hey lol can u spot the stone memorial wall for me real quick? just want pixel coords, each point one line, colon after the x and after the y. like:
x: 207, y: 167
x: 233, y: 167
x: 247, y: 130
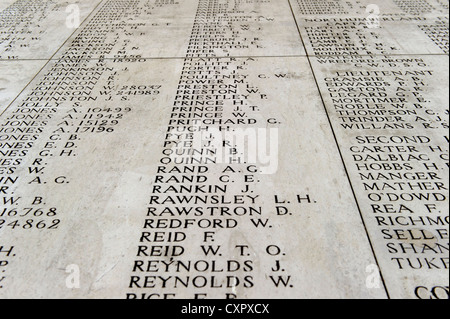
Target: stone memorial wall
x: 285, y: 149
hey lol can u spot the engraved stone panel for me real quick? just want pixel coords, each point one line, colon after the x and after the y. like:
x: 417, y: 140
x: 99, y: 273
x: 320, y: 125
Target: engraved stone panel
x: 332, y: 28
x: 36, y: 29
x: 390, y: 117
x: 160, y: 149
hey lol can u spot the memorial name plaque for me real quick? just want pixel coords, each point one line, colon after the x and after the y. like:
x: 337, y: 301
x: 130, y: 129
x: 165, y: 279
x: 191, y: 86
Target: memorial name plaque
x: 224, y: 149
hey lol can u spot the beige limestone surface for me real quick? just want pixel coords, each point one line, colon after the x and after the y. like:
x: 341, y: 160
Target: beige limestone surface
x: 224, y: 149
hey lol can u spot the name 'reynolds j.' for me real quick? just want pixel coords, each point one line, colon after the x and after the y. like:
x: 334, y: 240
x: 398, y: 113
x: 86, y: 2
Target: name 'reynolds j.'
x: 247, y: 146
